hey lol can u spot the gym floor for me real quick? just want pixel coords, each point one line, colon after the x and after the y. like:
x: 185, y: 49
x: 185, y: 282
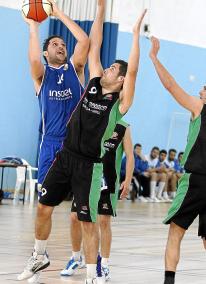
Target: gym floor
x: 137, y: 256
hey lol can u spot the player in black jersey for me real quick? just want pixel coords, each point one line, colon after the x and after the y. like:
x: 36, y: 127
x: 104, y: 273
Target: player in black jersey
x: 190, y: 200
x: 115, y: 146
x: 78, y: 167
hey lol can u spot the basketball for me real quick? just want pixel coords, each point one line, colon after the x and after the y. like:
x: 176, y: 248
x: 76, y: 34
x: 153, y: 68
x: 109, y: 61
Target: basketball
x: 37, y: 10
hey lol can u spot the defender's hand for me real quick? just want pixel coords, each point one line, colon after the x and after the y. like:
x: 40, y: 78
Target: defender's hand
x: 155, y: 47
x: 138, y: 24
x: 125, y: 189
x: 101, y: 2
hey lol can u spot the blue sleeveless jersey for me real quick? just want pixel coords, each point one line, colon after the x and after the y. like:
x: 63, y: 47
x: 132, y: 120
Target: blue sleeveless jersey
x: 59, y: 95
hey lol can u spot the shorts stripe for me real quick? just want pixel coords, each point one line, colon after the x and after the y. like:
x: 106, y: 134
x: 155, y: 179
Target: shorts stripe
x: 182, y: 190
x: 114, y: 197
x: 95, y: 190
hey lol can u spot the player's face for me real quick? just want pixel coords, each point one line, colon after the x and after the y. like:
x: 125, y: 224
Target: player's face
x: 180, y: 157
x: 155, y: 154
x: 172, y: 156
x: 111, y: 75
x: 57, y: 52
x: 138, y: 150
x: 162, y: 157
x: 203, y: 94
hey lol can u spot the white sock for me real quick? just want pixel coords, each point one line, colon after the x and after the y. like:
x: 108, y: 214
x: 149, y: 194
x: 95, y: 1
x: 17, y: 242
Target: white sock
x: 76, y: 255
x: 40, y: 246
x: 105, y: 261
x: 173, y: 194
x: 165, y: 194
x: 160, y: 189
x: 91, y: 271
x: 152, y: 189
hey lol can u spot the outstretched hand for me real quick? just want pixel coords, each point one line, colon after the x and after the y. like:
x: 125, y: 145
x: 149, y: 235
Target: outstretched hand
x: 155, y: 47
x: 138, y: 24
x: 125, y: 189
x: 101, y: 2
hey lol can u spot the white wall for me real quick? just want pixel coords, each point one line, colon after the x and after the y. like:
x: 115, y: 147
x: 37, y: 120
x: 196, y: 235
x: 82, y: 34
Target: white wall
x: 181, y: 21
x: 14, y: 4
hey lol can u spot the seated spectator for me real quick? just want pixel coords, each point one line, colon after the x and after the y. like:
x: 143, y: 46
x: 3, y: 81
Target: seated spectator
x: 179, y: 170
x: 152, y: 158
x: 171, y: 184
x: 139, y: 178
x: 140, y: 173
x: 162, y: 169
x: 156, y: 176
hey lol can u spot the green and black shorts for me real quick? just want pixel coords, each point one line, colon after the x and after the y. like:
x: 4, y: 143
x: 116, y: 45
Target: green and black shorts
x: 189, y: 203
x: 107, y: 203
x: 80, y: 175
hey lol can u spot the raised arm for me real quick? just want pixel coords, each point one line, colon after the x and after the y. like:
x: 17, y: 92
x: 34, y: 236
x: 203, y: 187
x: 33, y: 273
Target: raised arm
x: 82, y: 47
x: 128, y: 149
x: 37, y: 67
x: 96, y: 37
x: 127, y: 94
x: 194, y: 105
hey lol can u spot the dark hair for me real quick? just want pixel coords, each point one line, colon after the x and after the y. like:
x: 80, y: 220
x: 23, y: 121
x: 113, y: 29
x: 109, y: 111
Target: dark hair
x: 172, y: 150
x: 155, y: 148
x: 47, y: 41
x: 163, y: 152
x: 123, y: 67
x: 137, y: 145
x: 180, y: 153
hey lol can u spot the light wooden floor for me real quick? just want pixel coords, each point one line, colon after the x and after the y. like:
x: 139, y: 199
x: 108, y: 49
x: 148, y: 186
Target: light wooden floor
x: 137, y: 252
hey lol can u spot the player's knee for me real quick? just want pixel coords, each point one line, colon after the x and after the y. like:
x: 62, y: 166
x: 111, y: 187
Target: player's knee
x: 176, y: 233
x: 73, y: 218
x: 44, y: 211
x: 104, y: 222
x: 204, y: 242
x: 89, y: 227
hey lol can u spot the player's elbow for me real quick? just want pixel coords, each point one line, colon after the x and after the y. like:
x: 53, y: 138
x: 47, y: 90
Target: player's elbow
x: 85, y: 42
x: 169, y: 85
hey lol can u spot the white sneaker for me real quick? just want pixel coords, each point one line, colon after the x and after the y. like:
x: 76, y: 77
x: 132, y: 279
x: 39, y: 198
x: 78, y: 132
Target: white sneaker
x: 72, y: 266
x: 142, y: 199
x: 149, y: 199
x: 106, y: 272
x: 161, y: 199
x: 155, y: 200
x: 35, y: 279
x: 35, y: 263
x: 167, y: 199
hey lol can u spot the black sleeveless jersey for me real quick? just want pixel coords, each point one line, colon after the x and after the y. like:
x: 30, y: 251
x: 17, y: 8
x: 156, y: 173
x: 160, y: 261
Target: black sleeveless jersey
x: 93, y: 122
x: 194, y: 158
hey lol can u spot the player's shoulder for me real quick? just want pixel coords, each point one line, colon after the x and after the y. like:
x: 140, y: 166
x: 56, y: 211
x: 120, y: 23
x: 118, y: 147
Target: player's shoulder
x: 94, y: 85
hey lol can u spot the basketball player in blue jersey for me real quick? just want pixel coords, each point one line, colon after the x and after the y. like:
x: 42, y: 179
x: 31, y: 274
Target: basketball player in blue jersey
x: 58, y: 85
x: 190, y: 200
x: 78, y: 166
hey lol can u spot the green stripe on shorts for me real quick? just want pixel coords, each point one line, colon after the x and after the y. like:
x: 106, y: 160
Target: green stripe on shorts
x: 95, y: 190
x: 182, y: 190
x: 114, y: 196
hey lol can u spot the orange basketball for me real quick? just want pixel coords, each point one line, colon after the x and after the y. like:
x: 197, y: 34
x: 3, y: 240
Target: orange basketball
x: 37, y: 10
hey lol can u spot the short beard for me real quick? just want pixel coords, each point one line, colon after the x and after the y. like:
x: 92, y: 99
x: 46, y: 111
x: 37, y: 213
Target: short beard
x: 56, y: 61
